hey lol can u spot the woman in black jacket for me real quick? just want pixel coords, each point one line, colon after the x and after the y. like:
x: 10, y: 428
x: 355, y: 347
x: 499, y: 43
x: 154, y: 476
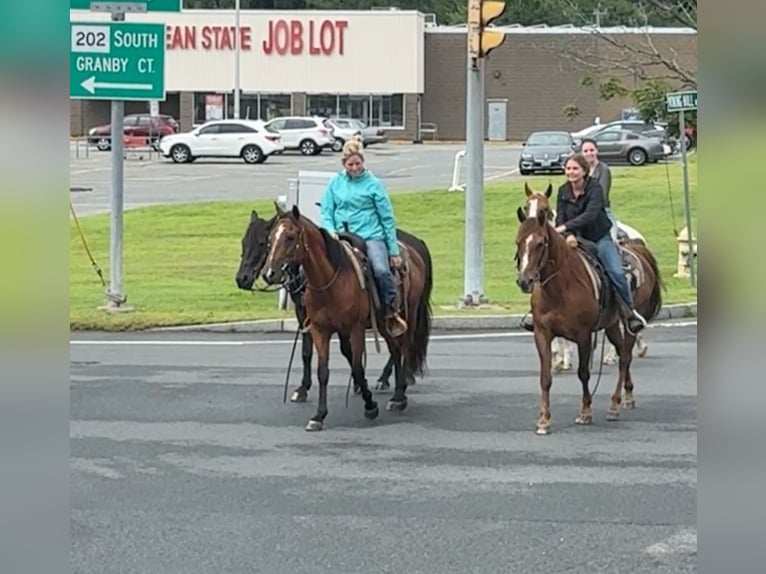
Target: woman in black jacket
x: 580, y: 212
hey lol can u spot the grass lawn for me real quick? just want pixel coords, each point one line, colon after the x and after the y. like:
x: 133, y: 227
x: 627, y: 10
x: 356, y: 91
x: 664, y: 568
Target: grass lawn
x: 180, y: 261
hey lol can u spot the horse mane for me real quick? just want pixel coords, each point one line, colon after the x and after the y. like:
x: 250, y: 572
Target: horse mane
x: 335, y: 252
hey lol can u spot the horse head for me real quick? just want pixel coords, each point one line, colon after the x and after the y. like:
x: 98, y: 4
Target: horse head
x: 533, y: 238
x: 254, y: 250
x: 536, y: 202
x: 286, y: 245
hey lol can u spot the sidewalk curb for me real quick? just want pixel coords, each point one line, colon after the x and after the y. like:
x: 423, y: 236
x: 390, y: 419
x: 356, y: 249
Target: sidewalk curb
x: 443, y: 323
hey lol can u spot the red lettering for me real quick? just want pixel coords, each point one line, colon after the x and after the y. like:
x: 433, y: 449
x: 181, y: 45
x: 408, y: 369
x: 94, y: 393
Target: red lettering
x: 313, y: 48
x: 227, y: 41
x: 244, y: 35
x: 340, y: 26
x: 327, y: 38
x: 296, y: 37
x: 207, y: 40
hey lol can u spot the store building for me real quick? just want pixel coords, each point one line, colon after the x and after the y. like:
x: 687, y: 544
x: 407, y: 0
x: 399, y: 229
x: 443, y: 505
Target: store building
x: 388, y: 68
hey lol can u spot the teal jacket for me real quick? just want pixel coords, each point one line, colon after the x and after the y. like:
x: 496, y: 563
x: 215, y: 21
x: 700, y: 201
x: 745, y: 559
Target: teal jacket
x: 364, y: 205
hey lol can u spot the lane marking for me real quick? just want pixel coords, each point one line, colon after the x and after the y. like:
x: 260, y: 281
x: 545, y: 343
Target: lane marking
x: 503, y: 174
x: 286, y: 341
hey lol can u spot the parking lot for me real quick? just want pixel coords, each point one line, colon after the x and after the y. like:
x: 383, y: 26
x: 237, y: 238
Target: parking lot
x: 156, y: 180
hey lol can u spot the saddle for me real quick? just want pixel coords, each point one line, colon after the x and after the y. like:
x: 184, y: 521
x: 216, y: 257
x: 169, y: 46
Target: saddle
x: 358, y: 247
x: 603, y: 289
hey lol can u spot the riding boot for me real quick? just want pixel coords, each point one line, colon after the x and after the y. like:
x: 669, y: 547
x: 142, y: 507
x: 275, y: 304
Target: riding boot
x: 632, y: 319
x: 395, y: 324
x: 527, y: 322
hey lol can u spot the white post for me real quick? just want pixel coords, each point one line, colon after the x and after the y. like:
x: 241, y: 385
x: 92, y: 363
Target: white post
x: 456, y: 172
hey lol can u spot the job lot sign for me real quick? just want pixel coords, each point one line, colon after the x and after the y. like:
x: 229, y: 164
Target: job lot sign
x: 117, y: 61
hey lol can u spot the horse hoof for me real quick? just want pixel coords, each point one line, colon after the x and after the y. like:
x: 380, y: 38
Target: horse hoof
x: 382, y: 386
x: 397, y: 406
x: 314, y: 426
x: 612, y: 416
x: 542, y: 431
x: 567, y: 367
x: 629, y: 405
x: 372, y: 414
x: 584, y: 419
x: 557, y: 368
x: 298, y: 397
x: 642, y: 351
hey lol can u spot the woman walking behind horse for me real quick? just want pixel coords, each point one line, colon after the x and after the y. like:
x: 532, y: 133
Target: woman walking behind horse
x: 356, y: 202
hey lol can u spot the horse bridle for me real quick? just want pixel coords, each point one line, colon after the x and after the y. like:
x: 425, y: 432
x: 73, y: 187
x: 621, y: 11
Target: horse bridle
x: 543, y: 262
x: 301, y: 243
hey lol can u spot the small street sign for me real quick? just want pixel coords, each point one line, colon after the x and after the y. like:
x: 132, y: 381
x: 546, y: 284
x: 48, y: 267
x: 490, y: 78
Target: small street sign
x: 126, y: 5
x: 678, y: 101
x: 117, y: 61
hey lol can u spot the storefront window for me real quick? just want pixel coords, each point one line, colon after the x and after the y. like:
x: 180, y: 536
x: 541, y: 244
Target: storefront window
x: 383, y: 111
x: 214, y: 106
x: 322, y: 105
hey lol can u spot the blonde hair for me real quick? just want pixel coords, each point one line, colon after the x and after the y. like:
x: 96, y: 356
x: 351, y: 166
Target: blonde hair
x: 353, y: 147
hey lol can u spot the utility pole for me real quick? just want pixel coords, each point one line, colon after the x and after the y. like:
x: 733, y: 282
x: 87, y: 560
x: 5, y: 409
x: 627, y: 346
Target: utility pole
x: 237, y: 55
x: 480, y: 43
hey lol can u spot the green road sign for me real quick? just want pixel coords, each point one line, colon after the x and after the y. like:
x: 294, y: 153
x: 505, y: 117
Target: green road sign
x: 678, y: 101
x: 117, y: 61
x: 151, y: 5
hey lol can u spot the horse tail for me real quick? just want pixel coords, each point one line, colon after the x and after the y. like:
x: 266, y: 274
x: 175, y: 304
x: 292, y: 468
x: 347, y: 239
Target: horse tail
x: 419, y: 349
x: 655, y: 298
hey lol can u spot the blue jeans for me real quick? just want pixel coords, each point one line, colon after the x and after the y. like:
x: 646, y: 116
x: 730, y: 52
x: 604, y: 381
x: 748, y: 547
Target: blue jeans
x: 611, y: 260
x: 377, y: 253
x: 613, y: 219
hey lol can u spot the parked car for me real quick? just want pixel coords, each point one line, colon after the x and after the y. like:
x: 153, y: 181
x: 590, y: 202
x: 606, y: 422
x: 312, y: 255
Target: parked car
x: 309, y: 134
x: 343, y: 129
x: 253, y: 141
x: 546, y: 151
x: 647, y: 129
x: 153, y: 128
x: 625, y: 145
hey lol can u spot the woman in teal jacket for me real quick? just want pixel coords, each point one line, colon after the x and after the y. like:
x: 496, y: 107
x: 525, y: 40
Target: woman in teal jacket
x: 356, y: 201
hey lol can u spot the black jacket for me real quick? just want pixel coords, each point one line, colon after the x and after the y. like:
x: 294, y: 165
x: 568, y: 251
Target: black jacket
x: 585, y: 216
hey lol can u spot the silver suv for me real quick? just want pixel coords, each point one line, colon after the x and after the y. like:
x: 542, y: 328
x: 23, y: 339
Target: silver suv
x: 308, y: 134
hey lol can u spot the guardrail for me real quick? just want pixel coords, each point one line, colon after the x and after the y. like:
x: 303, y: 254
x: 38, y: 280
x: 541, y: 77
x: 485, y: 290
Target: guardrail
x: 135, y: 147
x: 429, y: 128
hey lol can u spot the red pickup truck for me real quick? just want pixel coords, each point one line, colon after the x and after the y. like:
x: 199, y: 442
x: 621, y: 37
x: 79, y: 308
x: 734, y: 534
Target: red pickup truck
x: 138, y: 125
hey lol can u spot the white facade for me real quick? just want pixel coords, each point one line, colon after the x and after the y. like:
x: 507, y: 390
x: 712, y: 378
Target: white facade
x: 335, y: 52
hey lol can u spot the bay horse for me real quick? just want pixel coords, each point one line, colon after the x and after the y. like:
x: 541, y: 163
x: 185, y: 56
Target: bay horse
x: 561, y: 348
x: 340, y: 298
x: 572, y: 298
x: 255, y: 249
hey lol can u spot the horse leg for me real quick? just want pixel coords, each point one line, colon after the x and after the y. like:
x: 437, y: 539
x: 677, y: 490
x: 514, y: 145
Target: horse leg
x: 584, y: 351
x: 345, y: 350
x: 307, y: 351
x: 614, y: 334
x: 356, y: 343
x: 322, y: 344
x: 399, y: 401
x: 641, y: 346
x: 557, y: 355
x: 630, y: 401
x: 611, y: 357
x: 383, y: 384
x: 543, y: 344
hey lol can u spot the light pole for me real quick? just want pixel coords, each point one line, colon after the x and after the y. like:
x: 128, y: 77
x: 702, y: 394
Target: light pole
x: 237, y: 50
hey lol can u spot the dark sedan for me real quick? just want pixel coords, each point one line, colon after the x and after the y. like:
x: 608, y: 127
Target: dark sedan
x: 546, y: 151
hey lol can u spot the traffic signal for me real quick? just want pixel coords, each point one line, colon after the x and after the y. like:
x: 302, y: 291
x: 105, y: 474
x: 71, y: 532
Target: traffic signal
x: 481, y: 13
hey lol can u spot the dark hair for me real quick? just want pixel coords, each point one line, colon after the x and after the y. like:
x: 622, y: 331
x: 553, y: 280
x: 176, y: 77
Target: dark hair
x: 580, y: 160
x: 590, y: 141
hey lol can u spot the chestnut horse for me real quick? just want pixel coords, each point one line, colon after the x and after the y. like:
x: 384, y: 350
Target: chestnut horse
x: 338, y: 300
x: 565, y: 304
x: 255, y: 249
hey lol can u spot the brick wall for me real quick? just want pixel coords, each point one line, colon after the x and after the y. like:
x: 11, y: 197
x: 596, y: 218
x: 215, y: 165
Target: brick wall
x: 532, y: 73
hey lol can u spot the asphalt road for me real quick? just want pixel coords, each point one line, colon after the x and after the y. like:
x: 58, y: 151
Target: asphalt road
x: 185, y: 460
x: 156, y: 180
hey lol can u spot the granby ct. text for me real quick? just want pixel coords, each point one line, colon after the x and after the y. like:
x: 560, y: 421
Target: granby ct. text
x: 325, y: 37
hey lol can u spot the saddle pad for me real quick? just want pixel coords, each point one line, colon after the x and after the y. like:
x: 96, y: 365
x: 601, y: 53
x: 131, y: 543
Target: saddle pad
x: 636, y: 268
x: 352, y: 254
x: 594, y: 278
